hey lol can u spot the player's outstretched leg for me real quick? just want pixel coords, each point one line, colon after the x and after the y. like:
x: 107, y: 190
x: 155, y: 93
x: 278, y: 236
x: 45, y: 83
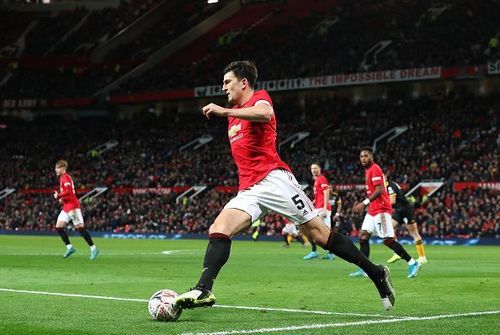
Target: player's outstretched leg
x: 70, y: 250
x: 364, y: 247
x: 216, y: 255
x: 86, y: 236
x: 313, y: 254
x: 413, y: 265
x: 287, y: 243
x: 343, y: 247
x: 329, y: 256
x: 228, y: 223
x: 419, y: 245
x: 394, y: 258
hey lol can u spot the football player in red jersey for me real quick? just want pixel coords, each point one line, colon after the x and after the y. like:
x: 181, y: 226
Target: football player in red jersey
x: 265, y: 183
x: 378, y: 220
x: 321, y: 190
x: 71, y: 211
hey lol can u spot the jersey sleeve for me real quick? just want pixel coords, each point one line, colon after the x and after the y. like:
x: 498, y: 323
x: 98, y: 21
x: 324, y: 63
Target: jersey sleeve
x: 262, y: 97
x: 376, y: 176
x: 67, y: 187
x: 323, y: 183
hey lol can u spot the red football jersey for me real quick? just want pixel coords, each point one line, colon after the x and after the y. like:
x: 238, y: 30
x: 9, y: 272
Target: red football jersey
x: 374, y: 177
x: 253, y: 144
x: 67, y: 193
x: 320, y: 185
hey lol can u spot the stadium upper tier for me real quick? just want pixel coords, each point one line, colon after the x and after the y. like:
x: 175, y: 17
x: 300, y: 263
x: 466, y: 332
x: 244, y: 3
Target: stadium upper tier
x: 286, y: 39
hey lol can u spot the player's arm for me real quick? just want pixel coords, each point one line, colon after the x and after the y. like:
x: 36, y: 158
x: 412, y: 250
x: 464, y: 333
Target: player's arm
x: 392, y: 194
x: 360, y: 206
x: 326, y: 197
x: 392, y: 197
x: 261, y: 112
x: 339, y: 207
x: 378, y: 191
x: 64, y: 194
x: 66, y: 190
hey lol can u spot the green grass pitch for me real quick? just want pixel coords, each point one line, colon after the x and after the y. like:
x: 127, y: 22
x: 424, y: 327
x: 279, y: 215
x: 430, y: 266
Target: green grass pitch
x: 449, y: 296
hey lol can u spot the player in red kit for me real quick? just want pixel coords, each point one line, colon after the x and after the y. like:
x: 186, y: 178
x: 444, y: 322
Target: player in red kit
x: 265, y: 184
x: 378, y: 220
x: 321, y: 190
x: 70, y: 212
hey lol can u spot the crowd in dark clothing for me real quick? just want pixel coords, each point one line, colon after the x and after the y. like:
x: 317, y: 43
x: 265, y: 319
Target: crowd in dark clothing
x: 451, y: 138
x: 338, y: 40
x: 286, y: 44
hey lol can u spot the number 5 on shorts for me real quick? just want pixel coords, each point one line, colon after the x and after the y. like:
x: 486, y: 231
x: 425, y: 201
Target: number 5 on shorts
x: 298, y: 202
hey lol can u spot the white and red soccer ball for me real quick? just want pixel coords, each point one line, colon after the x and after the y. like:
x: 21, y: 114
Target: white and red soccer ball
x: 161, y: 306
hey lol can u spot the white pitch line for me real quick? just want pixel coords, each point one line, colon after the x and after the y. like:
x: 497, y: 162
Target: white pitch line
x: 156, y: 253
x: 60, y: 254
x: 305, y: 311
x: 74, y: 295
x: 345, y: 324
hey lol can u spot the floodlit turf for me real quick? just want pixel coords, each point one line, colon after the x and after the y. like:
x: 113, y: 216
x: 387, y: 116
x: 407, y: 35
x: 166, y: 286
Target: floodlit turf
x: 262, y: 274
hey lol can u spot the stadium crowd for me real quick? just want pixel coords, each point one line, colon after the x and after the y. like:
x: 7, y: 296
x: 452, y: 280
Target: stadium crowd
x: 420, y: 34
x: 181, y: 18
x: 451, y: 137
x: 411, y: 27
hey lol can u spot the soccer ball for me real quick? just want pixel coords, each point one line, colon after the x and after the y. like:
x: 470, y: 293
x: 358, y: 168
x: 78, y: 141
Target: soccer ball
x: 161, y: 306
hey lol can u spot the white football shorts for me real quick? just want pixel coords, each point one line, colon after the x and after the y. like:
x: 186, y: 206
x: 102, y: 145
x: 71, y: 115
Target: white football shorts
x: 279, y: 192
x: 379, y: 224
x: 74, y: 215
x: 290, y: 229
x: 325, y: 216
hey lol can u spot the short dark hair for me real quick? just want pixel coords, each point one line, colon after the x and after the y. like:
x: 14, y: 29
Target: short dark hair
x: 243, y: 69
x: 316, y: 163
x: 366, y: 148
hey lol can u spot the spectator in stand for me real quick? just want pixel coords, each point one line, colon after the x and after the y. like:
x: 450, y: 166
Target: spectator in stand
x: 417, y: 32
x: 461, y: 144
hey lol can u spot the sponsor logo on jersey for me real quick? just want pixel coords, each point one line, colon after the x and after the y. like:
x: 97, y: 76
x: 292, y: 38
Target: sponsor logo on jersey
x: 234, y: 130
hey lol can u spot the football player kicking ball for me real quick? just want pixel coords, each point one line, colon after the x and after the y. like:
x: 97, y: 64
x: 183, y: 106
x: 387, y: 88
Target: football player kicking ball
x: 71, y: 211
x: 265, y: 183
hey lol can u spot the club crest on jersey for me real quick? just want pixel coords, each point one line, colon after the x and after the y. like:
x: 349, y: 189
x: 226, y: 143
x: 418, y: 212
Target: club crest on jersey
x: 234, y: 130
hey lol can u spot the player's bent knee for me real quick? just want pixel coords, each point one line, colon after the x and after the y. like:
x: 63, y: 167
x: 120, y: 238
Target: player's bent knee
x: 317, y: 231
x: 364, y: 235
x: 214, y: 229
x: 60, y: 224
x: 230, y: 222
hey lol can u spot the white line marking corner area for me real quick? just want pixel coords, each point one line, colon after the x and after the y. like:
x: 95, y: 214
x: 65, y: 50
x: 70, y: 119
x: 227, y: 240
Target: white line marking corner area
x: 346, y: 324
x: 255, y: 308
x: 386, y: 318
